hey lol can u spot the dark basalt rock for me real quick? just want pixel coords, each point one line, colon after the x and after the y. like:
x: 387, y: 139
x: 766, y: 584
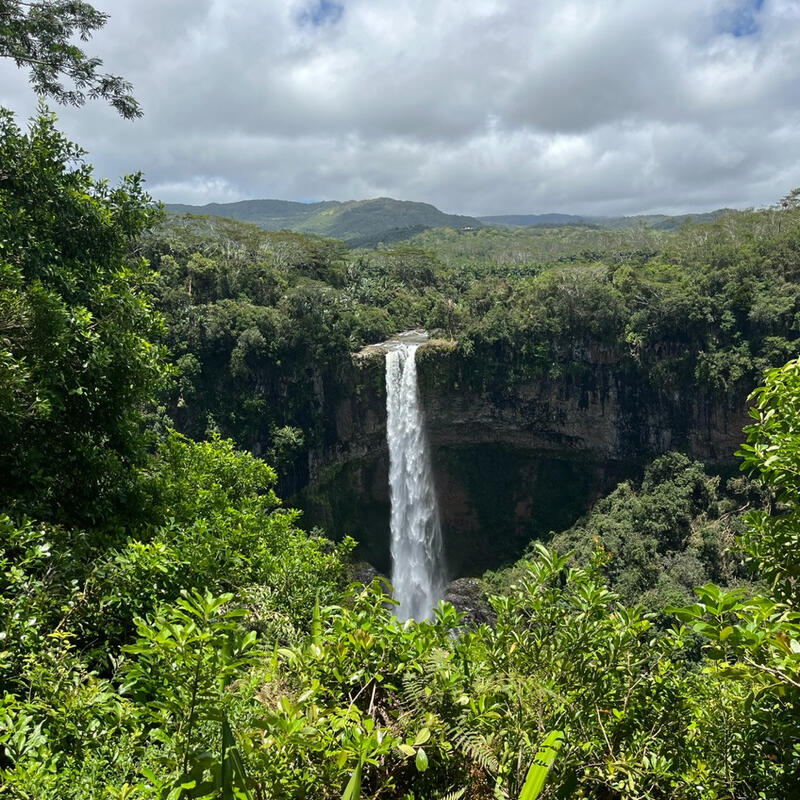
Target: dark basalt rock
x: 468, y: 596
x: 362, y: 572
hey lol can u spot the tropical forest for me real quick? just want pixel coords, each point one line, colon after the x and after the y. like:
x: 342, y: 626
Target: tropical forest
x: 363, y: 500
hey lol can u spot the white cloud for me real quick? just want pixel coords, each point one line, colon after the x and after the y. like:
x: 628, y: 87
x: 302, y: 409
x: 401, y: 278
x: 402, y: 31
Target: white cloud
x: 479, y: 106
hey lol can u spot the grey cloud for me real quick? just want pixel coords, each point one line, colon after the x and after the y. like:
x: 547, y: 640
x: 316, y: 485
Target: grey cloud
x: 479, y: 106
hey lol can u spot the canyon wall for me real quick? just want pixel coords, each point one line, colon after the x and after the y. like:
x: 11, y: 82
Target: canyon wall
x: 512, y: 460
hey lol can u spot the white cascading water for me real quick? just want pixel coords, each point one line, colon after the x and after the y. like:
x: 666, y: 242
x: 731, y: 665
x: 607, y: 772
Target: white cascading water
x: 417, y: 552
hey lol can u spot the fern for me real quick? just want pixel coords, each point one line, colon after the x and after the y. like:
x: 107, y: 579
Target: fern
x: 477, y: 747
x: 416, y: 692
x: 457, y: 795
x: 417, y: 696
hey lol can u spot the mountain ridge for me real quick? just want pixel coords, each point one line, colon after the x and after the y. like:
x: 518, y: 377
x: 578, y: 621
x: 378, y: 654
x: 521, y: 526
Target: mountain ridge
x: 382, y: 220
x: 359, y: 223
x: 555, y: 220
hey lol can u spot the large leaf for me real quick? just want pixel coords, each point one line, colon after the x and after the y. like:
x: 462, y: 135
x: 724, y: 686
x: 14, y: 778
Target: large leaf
x: 232, y: 772
x: 228, y: 744
x: 353, y: 789
x: 537, y: 774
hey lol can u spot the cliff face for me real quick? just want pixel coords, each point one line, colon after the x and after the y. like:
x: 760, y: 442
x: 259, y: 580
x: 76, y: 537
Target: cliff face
x: 510, y: 463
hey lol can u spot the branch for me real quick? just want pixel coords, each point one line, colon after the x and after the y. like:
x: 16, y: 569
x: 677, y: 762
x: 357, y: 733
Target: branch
x: 776, y: 673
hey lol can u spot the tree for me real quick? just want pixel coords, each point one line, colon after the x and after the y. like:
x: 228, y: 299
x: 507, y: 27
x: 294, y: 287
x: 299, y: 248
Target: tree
x: 754, y: 642
x: 40, y: 35
x: 773, y: 450
x: 78, y: 363
x: 791, y: 200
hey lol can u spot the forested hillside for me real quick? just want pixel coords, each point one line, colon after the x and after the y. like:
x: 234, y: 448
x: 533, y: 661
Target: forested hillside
x: 248, y: 311
x: 369, y: 223
x: 656, y: 221
x: 359, y: 223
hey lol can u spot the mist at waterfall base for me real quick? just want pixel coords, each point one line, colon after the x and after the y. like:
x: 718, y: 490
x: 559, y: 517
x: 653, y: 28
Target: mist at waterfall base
x: 418, y: 575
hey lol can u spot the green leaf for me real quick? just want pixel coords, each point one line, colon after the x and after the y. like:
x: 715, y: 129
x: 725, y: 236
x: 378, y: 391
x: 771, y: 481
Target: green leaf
x: 725, y: 632
x: 239, y: 765
x: 228, y: 743
x: 316, y: 624
x: 421, y: 760
x: 232, y: 772
x: 540, y: 768
x: 422, y: 737
x: 353, y: 789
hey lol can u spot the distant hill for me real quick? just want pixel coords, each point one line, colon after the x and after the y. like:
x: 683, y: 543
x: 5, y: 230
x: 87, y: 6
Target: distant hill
x: 366, y: 223
x: 269, y: 214
x: 359, y: 223
x: 535, y: 220
x: 662, y: 222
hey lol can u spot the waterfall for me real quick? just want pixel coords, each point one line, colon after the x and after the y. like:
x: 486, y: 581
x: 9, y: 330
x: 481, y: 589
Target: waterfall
x: 417, y: 552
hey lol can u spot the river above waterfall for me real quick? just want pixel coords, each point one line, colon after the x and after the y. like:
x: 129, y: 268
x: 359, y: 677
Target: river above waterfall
x: 417, y: 336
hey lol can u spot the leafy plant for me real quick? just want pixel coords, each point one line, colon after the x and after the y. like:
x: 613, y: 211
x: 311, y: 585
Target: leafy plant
x: 185, y: 660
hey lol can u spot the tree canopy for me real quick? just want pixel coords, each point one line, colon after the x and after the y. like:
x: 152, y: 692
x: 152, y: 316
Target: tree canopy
x: 78, y: 357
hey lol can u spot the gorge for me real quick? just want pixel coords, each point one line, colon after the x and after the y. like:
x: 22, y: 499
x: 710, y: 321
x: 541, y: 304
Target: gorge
x: 578, y: 466
x: 510, y: 463
x: 561, y: 363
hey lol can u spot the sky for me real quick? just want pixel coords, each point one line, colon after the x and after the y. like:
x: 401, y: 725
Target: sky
x: 478, y: 106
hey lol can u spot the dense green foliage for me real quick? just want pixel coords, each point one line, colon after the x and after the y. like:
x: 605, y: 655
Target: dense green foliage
x: 78, y: 358
x: 705, y: 307
x: 660, y: 539
x: 104, y: 518
x: 259, y: 320
x: 253, y: 320
x: 166, y: 631
x: 773, y: 448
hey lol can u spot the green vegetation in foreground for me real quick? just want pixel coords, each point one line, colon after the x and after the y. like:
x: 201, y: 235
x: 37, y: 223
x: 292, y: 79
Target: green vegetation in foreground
x: 79, y: 361
x: 173, y: 635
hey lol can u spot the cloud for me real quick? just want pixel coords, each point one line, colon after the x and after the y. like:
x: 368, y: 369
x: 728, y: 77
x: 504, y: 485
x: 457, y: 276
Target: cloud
x: 479, y: 106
